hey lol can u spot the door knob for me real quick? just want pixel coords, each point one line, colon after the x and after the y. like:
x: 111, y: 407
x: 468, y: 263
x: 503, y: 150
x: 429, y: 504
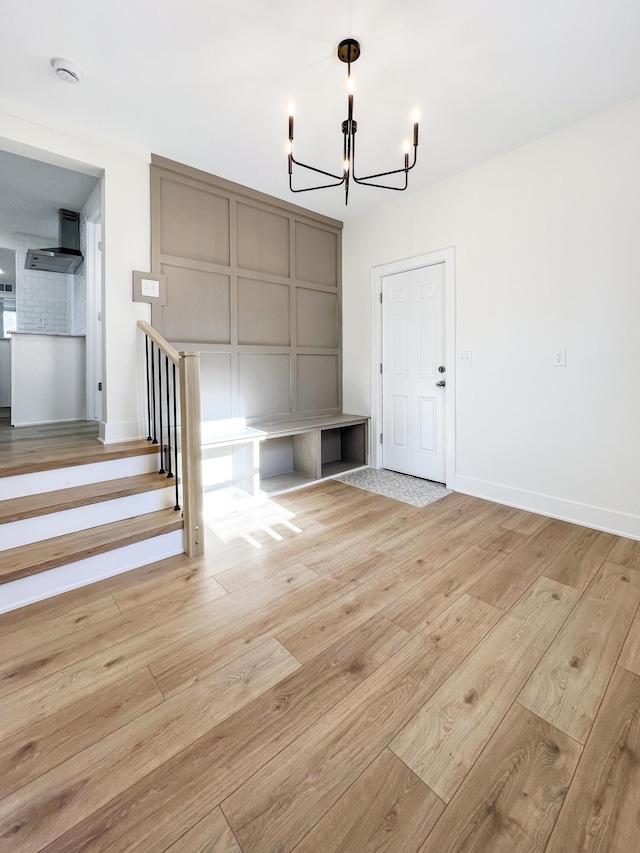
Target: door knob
x: 441, y: 384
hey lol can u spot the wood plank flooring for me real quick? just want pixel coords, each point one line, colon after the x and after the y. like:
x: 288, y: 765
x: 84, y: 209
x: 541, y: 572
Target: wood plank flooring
x: 463, y: 677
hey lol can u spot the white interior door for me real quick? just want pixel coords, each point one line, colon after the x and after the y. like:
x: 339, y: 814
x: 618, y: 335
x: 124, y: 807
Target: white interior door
x: 413, y: 383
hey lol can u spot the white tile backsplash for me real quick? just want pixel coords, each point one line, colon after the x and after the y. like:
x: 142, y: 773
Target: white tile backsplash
x: 46, y: 295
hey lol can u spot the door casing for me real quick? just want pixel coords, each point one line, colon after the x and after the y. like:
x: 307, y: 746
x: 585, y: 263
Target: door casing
x: 377, y: 274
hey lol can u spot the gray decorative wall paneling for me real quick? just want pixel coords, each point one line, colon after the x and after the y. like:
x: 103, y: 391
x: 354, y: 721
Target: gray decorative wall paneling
x: 254, y: 284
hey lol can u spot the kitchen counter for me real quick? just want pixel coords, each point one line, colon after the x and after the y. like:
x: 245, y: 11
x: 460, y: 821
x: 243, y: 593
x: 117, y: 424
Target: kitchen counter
x: 45, y: 334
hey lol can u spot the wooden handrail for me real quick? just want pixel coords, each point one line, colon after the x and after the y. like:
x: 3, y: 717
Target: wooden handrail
x: 188, y: 364
x: 160, y: 342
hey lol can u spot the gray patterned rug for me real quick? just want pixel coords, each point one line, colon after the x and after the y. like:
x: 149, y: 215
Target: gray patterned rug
x: 400, y: 487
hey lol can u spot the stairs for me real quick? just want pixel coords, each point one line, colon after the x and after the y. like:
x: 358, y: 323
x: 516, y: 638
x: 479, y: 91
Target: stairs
x: 74, y: 514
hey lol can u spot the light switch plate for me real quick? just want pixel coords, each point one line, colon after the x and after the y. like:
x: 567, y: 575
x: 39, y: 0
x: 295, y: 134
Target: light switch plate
x: 150, y: 287
x: 465, y: 357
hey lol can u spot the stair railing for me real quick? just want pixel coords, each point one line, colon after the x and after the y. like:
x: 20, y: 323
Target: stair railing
x: 170, y: 374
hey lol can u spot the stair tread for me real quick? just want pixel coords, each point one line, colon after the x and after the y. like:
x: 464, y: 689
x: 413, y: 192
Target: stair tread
x: 44, y: 503
x: 51, y: 553
x: 20, y: 459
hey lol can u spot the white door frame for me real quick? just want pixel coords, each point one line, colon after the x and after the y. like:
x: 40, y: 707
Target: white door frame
x: 446, y: 256
x: 95, y: 278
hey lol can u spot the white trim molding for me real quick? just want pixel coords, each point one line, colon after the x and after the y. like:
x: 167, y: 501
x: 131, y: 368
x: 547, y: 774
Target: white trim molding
x: 446, y: 256
x: 599, y: 518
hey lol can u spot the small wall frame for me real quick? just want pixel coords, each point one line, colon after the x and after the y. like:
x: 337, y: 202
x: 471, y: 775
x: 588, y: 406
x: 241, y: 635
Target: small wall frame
x: 149, y: 287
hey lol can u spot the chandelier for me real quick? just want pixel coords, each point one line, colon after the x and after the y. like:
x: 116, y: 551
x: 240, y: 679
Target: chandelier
x: 349, y: 51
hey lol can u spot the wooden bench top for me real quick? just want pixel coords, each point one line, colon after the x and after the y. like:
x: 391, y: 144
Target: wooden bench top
x: 298, y: 425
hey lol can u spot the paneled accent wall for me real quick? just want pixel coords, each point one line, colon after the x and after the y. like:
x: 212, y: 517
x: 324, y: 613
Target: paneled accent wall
x: 254, y: 284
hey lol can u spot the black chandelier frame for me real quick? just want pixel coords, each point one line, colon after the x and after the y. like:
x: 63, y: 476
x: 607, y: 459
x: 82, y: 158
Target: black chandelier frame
x: 348, y: 52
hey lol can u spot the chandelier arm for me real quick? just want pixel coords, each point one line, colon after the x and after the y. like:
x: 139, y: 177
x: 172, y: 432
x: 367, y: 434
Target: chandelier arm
x: 385, y: 174
x: 320, y: 171
x: 319, y: 187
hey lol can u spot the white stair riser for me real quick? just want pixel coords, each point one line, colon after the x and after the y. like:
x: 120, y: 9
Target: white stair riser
x: 83, y: 572
x: 29, y: 530
x: 22, y: 485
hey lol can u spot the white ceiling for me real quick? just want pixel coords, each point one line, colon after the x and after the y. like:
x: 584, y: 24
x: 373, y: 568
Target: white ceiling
x: 207, y: 82
x: 31, y: 194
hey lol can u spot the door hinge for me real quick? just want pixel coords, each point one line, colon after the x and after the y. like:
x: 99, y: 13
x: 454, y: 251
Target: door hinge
x: 380, y: 367
x: 380, y: 438
x: 100, y: 246
x: 99, y: 386
x: 381, y: 297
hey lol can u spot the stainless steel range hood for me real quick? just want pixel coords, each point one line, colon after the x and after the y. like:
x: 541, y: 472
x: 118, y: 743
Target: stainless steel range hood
x: 65, y: 258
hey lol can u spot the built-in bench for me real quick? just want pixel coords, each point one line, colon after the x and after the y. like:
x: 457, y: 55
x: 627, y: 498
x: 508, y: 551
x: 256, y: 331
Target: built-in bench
x: 297, y: 452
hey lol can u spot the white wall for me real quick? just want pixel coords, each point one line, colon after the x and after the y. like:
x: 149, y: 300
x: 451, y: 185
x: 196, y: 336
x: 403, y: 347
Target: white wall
x: 79, y: 284
x: 5, y: 373
x: 546, y: 246
x: 126, y: 247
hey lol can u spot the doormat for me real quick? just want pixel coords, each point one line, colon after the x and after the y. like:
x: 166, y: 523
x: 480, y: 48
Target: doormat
x: 400, y: 487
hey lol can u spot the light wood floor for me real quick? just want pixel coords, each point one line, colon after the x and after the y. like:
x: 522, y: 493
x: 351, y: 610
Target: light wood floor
x: 77, y: 430
x: 463, y: 677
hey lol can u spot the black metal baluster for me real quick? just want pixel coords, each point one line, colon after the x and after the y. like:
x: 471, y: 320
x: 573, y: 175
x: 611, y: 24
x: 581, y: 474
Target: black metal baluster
x: 169, y: 474
x: 146, y: 350
x: 153, y: 390
x: 175, y: 436
x: 161, y: 470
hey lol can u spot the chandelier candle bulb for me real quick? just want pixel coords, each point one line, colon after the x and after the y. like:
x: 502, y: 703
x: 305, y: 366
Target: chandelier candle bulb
x: 290, y: 111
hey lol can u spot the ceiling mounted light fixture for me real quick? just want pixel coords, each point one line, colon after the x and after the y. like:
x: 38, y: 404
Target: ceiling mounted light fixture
x: 349, y: 51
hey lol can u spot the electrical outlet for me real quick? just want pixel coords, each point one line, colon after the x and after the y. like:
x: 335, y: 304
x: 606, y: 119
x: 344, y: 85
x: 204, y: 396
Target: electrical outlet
x: 560, y: 358
x: 41, y: 323
x: 465, y: 358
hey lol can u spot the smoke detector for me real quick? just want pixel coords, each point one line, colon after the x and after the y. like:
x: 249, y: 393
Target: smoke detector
x: 66, y: 70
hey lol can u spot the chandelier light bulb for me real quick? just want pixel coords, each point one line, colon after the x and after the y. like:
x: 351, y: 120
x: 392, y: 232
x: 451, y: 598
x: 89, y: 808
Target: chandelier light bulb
x: 406, y: 147
x: 346, y: 165
x: 289, y: 147
x: 290, y: 111
x: 351, y: 85
x: 416, y: 116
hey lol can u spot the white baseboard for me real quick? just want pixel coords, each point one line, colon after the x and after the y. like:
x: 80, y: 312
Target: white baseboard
x: 610, y: 521
x: 83, y: 572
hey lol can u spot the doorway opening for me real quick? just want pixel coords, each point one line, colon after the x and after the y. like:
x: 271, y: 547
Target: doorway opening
x: 48, y: 330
